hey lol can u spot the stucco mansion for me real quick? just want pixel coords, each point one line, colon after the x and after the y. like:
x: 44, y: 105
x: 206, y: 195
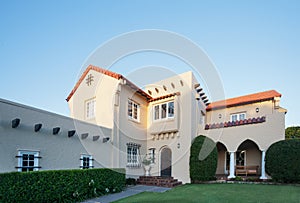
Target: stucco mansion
x: 114, y: 124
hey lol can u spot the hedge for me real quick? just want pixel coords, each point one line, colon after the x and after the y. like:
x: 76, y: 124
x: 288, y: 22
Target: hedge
x: 60, y: 185
x: 283, y: 161
x: 203, y: 170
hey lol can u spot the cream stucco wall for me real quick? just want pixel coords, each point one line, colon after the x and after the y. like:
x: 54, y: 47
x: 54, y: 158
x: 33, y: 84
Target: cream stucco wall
x: 57, y: 151
x: 128, y: 130
x: 263, y: 134
x: 176, y: 133
x: 102, y: 88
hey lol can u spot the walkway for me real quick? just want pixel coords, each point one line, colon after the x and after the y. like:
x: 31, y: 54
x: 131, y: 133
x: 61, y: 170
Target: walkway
x: 126, y: 193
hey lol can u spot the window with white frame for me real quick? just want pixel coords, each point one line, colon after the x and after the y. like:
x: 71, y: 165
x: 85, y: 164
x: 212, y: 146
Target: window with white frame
x: 133, y: 155
x: 28, y: 161
x: 163, y: 110
x: 152, y: 155
x: 90, y: 108
x: 133, y: 110
x: 237, y: 116
x: 86, y: 161
x: 156, y: 112
x: 171, y: 109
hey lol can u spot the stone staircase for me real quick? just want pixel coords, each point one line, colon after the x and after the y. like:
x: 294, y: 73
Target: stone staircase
x: 158, y: 181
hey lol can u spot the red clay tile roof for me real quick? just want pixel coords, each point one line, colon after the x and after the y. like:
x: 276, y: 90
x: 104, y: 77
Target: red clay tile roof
x: 108, y: 73
x: 247, y: 99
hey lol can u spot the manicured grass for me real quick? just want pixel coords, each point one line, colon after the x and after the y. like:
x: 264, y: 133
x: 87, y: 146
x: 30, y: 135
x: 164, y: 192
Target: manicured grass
x: 221, y: 193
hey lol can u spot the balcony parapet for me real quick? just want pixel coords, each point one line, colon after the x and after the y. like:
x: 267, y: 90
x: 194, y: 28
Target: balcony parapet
x: 228, y: 124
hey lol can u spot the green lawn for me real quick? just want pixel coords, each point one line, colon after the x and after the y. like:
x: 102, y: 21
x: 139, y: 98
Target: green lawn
x: 222, y: 193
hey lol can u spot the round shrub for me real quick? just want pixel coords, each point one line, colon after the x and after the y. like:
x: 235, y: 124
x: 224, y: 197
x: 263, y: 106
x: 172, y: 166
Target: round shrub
x: 283, y: 161
x: 203, y: 159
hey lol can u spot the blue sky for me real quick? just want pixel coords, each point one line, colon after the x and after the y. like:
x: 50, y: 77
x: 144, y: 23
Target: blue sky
x: 254, y: 45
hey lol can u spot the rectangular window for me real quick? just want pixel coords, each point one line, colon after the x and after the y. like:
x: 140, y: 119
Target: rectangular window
x: 242, y: 116
x: 86, y: 161
x: 90, y: 108
x: 152, y: 155
x: 234, y: 117
x: 238, y: 116
x: 130, y: 109
x: 164, y: 110
x: 171, y: 109
x: 133, y: 155
x: 156, y: 112
x: 28, y: 161
x: 133, y: 110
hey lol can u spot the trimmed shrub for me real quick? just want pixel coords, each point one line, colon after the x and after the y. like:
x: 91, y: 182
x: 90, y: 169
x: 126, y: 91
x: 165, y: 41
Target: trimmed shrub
x: 130, y: 181
x: 283, y: 161
x: 203, y: 159
x: 60, y: 185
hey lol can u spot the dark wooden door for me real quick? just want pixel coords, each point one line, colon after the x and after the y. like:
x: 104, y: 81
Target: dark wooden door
x: 166, y: 162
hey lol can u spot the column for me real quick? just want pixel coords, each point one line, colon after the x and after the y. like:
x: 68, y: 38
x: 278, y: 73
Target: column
x: 231, y: 168
x: 263, y: 172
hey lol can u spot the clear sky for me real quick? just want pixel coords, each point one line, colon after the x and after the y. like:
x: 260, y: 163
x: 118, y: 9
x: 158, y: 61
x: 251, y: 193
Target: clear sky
x: 255, y: 45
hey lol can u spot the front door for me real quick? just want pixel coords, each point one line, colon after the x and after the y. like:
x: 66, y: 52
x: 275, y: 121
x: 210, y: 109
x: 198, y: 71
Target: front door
x: 166, y: 162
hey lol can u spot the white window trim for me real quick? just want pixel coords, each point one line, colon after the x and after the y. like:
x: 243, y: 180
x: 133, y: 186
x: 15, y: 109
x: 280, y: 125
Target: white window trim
x: 87, y: 116
x: 90, y: 160
x: 133, y: 160
x: 238, y: 116
x: 160, y: 111
x: 31, y: 152
x: 132, y: 107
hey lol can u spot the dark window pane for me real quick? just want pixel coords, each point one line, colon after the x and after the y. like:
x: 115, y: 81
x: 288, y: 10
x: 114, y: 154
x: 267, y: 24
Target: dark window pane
x: 130, y: 109
x: 135, y: 108
x: 31, y: 163
x: 25, y: 156
x: 24, y: 163
x: 163, y: 110
x: 156, y: 112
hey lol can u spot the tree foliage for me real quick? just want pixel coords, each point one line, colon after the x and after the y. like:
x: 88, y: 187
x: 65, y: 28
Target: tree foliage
x: 292, y: 132
x: 203, y: 159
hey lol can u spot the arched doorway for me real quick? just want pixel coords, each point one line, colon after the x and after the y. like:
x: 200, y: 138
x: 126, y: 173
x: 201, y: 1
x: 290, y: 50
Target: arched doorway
x: 248, y: 154
x: 223, y: 160
x: 166, y: 162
